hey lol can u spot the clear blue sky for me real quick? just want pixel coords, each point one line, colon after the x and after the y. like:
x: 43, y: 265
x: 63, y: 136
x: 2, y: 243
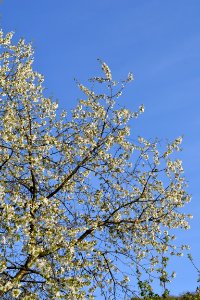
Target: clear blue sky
x: 158, y: 40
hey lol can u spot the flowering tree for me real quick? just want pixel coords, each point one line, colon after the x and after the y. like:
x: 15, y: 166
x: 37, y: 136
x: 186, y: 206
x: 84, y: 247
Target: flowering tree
x: 84, y: 209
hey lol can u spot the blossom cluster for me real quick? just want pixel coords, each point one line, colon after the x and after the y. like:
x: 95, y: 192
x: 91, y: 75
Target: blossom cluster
x: 82, y: 205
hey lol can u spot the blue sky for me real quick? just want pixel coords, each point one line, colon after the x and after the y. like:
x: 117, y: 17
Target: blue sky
x: 158, y: 40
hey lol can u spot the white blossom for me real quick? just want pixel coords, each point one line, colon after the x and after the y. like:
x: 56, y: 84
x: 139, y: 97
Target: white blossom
x: 78, y: 194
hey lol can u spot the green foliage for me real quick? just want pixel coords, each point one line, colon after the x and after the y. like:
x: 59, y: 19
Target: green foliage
x: 186, y: 296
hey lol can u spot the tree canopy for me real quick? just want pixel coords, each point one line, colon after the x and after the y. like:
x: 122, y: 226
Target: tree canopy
x: 86, y: 207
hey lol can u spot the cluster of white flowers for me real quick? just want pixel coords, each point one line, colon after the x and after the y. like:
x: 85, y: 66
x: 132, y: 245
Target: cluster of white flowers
x: 107, y: 71
x: 77, y: 195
